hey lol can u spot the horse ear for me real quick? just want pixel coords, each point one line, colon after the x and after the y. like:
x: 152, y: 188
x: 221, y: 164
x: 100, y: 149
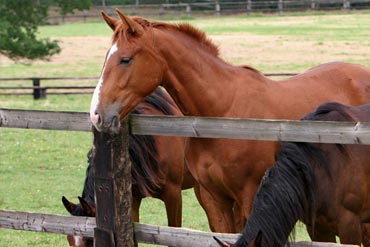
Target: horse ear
x: 68, y: 205
x: 89, y: 209
x: 112, y: 22
x: 132, y: 26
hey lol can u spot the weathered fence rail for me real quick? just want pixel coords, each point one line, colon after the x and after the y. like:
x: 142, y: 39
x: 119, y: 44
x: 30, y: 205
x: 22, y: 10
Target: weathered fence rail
x: 113, y: 218
x: 144, y: 233
x: 201, y: 127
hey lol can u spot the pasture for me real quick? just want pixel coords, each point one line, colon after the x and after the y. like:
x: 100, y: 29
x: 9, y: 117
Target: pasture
x: 38, y: 167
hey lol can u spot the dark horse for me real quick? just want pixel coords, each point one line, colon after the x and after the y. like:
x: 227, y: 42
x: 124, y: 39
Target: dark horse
x: 158, y: 169
x: 326, y: 186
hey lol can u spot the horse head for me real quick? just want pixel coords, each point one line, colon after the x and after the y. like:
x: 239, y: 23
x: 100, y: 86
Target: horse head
x: 131, y: 71
x: 83, y: 209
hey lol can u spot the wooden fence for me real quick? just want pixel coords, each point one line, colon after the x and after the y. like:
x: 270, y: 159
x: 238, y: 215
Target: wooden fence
x: 212, y: 7
x: 108, y: 225
x: 41, y: 91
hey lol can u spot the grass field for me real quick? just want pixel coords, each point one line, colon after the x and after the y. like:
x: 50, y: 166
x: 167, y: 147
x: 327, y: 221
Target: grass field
x: 38, y: 167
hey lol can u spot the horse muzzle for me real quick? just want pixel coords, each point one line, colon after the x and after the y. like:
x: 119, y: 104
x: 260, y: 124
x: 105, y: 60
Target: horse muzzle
x: 107, y: 123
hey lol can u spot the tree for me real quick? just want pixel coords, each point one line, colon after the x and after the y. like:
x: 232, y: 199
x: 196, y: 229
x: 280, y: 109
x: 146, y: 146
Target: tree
x: 19, y: 20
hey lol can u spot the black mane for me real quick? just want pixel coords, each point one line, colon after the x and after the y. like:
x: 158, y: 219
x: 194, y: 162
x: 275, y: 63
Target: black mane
x: 147, y: 177
x: 285, y: 195
x: 330, y: 111
x: 88, y: 190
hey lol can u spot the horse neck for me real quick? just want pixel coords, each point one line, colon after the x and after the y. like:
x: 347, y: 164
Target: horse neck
x: 200, y: 82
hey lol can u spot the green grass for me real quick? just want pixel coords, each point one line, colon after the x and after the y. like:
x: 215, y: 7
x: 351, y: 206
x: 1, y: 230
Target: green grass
x: 38, y: 167
x: 76, y: 30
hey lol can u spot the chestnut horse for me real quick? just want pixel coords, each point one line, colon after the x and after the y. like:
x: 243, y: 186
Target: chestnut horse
x: 158, y: 169
x: 180, y: 57
x: 326, y: 186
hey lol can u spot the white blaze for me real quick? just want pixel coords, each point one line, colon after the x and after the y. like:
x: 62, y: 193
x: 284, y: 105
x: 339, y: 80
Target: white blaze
x: 95, y: 99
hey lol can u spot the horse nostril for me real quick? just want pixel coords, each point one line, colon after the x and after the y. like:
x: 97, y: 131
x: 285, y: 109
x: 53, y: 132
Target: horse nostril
x: 94, y: 117
x: 115, y: 122
x: 99, y: 121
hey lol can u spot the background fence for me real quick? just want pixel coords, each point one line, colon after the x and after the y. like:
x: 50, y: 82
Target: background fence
x: 256, y: 129
x: 40, y: 91
x: 211, y: 7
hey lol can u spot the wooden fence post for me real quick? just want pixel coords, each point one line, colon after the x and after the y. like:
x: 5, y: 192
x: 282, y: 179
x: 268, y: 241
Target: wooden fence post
x: 112, y: 189
x: 36, y: 90
x: 281, y: 6
x: 217, y: 8
x: 249, y: 6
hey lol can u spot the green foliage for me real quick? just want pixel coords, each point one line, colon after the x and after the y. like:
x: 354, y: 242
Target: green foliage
x: 19, y: 21
x: 18, y: 27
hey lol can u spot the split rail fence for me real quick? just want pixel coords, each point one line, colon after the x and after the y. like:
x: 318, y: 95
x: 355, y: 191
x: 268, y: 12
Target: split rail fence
x: 212, y: 7
x: 40, y: 91
x: 113, y: 226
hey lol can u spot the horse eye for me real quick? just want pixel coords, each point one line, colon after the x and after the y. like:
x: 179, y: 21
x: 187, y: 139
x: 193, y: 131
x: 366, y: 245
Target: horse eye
x: 125, y: 60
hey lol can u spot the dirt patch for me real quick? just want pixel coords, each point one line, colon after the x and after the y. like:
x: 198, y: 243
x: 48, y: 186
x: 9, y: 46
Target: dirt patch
x: 269, y: 53
x: 274, y: 51
x: 75, y: 50
x: 82, y: 50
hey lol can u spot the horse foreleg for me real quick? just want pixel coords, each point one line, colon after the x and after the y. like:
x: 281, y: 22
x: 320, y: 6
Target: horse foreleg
x: 243, y: 205
x: 239, y: 218
x: 172, y: 199
x: 219, y: 210
x: 349, y: 228
x: 320, y: 234
x: 135, y: 209
x: 135, y: 215
x: 366, y: 235
x: 199, y: 197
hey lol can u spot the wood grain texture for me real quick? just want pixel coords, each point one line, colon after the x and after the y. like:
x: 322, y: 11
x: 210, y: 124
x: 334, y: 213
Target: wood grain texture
x: 144, y: 233
x: 201, y: 127
x: 112, y: 175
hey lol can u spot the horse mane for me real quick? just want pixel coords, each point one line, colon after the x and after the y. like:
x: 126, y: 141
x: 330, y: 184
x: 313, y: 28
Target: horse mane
x: 285, y: 195
x: 330, y: 111
x: 88, y: 190
x: 185, y: 28
x: 159, y: 100
x: 147, y: 177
